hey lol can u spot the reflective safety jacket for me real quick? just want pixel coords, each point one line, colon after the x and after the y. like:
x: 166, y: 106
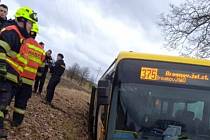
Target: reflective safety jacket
x: 35, y: 54
x: 24, y: 61
x: 10, y: 42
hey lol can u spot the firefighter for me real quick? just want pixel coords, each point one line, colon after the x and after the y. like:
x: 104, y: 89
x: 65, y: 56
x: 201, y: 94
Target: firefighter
x: 3, y: 15
x: 57, y: 71
x: 11, y: 62
x: 35, y: 54
x: 42, y: 73
x: 34, y: 31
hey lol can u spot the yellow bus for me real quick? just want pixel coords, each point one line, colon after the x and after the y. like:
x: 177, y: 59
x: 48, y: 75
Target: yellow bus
x: 152, y: 97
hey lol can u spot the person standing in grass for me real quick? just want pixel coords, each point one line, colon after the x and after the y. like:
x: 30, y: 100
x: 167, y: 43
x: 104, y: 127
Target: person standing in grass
x: 42, y: 73
x: 57, y: 71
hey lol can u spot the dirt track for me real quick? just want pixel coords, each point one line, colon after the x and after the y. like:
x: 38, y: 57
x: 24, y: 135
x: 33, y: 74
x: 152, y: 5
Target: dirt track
x: 65, y: 120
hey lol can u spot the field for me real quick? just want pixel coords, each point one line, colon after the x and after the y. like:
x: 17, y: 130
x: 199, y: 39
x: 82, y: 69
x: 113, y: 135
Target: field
x: 66, y: 119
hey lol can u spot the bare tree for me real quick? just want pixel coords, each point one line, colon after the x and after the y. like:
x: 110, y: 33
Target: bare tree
x: 84, y: 74
x: 74, y: 71
x: 68, y: 72
x: 187, y: 28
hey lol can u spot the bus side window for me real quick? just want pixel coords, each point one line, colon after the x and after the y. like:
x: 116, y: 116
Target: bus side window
x: 177, y: 107
x: 197, y: 108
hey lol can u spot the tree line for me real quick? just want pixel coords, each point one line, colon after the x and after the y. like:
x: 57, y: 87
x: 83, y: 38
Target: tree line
x: 80, y: 74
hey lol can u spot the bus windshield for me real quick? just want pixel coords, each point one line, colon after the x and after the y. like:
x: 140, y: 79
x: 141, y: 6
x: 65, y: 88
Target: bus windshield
x: 156, y: 112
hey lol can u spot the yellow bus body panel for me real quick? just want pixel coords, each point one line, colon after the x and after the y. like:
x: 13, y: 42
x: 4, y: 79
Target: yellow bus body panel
x: 162, y: 58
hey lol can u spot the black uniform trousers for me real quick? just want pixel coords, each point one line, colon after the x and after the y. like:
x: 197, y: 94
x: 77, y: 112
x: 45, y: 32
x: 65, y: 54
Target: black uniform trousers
x: 54, y: 80
x: 39, y: 83
x: 7, y: 90
x: 22, y: 96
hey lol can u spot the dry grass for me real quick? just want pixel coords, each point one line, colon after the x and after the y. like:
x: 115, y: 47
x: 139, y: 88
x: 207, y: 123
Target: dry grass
x: 65, y: 120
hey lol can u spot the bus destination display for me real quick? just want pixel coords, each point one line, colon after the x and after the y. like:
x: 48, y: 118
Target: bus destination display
x: 174, y: 76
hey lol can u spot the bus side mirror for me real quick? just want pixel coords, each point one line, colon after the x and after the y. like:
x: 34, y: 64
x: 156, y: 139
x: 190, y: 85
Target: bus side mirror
x: 103, y: 92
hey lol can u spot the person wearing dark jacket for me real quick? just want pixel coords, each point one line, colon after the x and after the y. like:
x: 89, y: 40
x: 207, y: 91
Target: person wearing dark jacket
x: 56, y: 71
x: 3, y: 15
x: 10, y: 44
x: 42, y: 72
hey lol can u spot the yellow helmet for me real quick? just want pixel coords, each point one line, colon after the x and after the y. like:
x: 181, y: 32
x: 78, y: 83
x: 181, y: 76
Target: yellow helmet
x: 27, y: 13
x: 35, y: 27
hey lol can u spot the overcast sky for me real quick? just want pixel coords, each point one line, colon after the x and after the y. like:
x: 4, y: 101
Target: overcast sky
x: 92, y: 32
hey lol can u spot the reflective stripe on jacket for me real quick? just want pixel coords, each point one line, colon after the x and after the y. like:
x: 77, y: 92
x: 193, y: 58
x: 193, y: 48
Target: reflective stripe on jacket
x: 14, y: 59
x: 14, y: 62
x: 15, y: 56
x: 35, y: 54
x: 10, y: 76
